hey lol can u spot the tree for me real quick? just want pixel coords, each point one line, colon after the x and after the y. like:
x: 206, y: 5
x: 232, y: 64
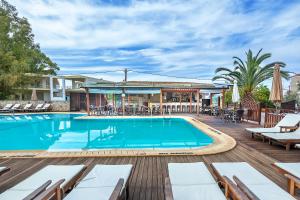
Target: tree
x: 19, y: 54
x: 249, y: 74
x: 261, y: 94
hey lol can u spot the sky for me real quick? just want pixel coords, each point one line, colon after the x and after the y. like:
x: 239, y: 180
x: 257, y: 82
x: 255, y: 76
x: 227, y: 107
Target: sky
x: 178, y: 38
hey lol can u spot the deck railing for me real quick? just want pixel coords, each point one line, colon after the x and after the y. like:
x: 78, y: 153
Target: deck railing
x: 273, y: 116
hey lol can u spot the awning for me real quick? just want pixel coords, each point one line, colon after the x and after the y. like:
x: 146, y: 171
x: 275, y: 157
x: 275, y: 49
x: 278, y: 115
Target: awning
x: 127, y: 91
x: 142, y: 91
x: 105, y: 91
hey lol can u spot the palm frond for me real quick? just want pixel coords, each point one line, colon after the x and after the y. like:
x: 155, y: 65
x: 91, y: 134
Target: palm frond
x: 222, y: 77
x: 220, y: 69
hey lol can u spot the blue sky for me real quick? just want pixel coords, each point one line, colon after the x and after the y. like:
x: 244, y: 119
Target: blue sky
x: 187, y: 38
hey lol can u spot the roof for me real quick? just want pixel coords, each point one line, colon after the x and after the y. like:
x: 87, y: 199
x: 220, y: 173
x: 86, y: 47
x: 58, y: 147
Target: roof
x: 151, y: 84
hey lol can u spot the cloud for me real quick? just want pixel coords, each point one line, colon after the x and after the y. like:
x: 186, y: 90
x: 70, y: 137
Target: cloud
x: 187, y: 37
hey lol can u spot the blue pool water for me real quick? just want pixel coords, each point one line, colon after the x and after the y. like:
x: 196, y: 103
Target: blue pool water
x: 63, y: 132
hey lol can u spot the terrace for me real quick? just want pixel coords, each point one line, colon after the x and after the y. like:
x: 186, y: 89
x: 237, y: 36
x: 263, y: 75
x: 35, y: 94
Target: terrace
x: 147, y: 179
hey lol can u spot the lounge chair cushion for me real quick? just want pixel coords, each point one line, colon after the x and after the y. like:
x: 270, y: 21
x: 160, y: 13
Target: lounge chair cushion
x: 263, y: 130
x: 2, y: 168
x: 283, y: 136
x: 193, y: 181
x: 288, y: 120
x: 27, y: 106
x: 90, y: 193
x: 105, y: 175
x: 189, y: 174
x: 100, y: 182
x: 50, y: 172
x: 260, y: 185
x: 16, y: 106
x: 193, y: 192
x: 292, y: 168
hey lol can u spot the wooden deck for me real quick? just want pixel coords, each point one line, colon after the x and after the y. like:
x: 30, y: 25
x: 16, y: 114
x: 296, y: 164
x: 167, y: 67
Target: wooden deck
x: 148, y: 176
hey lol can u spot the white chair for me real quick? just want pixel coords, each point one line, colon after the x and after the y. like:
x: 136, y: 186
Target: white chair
x: 15, y: 107
x: 7, y: 107
x: 37, y: 108
x: 255, y: 182
x: 289, y: 120
x: 70, y: 173
x: 292, y: 172
x: 190, y: 181
x: 3, y: 170
x: 286, y: 139
x: 101, y: 182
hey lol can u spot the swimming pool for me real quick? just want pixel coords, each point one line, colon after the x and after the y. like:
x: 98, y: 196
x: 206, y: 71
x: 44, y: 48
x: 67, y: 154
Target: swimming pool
x: 65, y: 132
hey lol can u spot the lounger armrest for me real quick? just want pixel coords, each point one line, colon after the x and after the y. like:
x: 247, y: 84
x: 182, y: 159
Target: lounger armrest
x: 38, y: 191
x: 292, y: 178
x: 3, y: 171
x: 168, y: 189
x: 115, y: 195
x: 54, y: 191
x: 245, y: 189
x: 231, y: 190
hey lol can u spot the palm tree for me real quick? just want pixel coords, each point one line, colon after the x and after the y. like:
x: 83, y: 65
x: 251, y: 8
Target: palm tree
x: 249, y: 74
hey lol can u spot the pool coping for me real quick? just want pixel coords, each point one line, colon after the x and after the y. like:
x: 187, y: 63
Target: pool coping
x: 222, y: 143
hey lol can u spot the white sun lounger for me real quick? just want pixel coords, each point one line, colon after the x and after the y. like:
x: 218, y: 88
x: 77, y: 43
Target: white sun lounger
x: 100, y: 183
x: 286, y: 139
x: 3, y: 170
x: 7, y: 107
x: 16, y: 106
x: 262, y: 187
x: 292, y: 172
x: 190, y: 181
x: 27, y: 107
x: 37, y: 108
x: 51, y: 172
x: 46, y: 107
x: 290, y: 120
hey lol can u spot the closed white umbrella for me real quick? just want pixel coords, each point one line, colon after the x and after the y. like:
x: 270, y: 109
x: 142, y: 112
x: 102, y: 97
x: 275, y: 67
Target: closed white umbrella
x: 33, y: 95
x: 235, y: 93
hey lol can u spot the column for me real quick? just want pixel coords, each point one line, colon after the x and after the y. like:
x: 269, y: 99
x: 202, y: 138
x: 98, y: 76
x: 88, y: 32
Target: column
x: 191, y: 97
x: 87, y: 96
x: 160, y: 101
x: 211, y: 97
x: 123, y: 103
x: 223, y: 99
x: 180, y: 99
x: 197, y: 97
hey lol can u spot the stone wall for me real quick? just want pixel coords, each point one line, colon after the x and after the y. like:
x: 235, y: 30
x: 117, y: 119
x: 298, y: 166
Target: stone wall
x: 57, y: 106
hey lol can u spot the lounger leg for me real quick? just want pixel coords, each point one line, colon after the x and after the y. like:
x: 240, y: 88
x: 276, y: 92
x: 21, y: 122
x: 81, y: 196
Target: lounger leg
x: 288, y: 146
x: 58, y: 194
x: 291, y: 187
x: 227, y: 192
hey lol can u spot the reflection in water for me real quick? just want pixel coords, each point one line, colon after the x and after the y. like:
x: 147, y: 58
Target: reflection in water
x: 59, y: 131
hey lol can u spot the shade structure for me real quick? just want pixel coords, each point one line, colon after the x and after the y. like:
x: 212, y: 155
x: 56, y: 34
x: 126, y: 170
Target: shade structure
x: 235, y: 93
x: 106, y: 91
x: 276, y: 91
x: 33, y: 95
x: 143, y: 91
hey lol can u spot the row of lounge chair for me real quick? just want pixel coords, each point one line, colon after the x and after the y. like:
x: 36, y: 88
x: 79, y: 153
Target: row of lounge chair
x: 186, y: 181
x: 286, y: 132
x: 26, y: 108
